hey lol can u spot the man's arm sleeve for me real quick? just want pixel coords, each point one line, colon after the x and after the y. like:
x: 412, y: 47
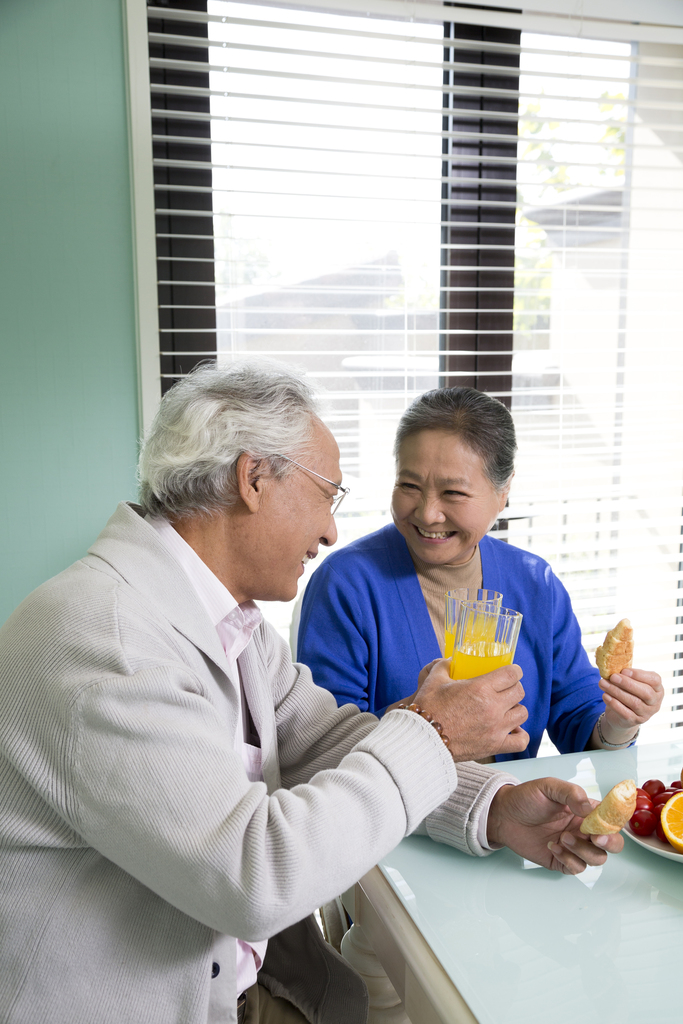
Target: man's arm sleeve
x: 152, y: 782
x: 461, y: 820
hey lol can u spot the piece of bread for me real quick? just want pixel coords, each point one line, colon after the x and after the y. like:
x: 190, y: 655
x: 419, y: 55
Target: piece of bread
x: 616, y: 653
x: 615, y: 810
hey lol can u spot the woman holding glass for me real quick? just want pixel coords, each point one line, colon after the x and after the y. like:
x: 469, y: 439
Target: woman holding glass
x: 373, y: 613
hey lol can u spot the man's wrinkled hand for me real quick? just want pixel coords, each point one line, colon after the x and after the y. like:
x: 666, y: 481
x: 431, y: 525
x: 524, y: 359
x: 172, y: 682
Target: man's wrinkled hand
x: 540, y: 820
x: 481, y: 716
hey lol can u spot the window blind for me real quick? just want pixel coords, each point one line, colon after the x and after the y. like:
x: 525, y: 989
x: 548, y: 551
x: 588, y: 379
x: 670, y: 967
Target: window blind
x: 478, y: 213
x: 383, y: 210
x: 183, y: 182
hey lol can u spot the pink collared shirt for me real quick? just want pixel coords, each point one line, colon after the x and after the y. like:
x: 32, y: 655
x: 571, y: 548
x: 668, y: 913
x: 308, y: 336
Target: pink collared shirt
x: 234, y: 624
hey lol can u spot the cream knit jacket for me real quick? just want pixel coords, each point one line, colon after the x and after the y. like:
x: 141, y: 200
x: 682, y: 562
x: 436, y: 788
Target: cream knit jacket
x: 130, y: 836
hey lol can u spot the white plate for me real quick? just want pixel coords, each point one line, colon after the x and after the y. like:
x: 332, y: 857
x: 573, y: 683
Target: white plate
x: 654, y: 845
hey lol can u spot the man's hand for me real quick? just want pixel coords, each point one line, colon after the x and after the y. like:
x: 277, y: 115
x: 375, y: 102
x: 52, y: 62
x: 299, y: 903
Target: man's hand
x: 480, y: 716
x: 540, y: 820
x: 631, y: 698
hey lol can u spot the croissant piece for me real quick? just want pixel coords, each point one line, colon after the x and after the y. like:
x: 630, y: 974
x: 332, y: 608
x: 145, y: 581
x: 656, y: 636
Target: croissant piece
x: 616, y: 653
x: 613, y: 812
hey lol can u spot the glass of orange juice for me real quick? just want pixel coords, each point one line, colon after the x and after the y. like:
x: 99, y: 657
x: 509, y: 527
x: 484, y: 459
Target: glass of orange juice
x: 489, y: 600
x: 484, y: 640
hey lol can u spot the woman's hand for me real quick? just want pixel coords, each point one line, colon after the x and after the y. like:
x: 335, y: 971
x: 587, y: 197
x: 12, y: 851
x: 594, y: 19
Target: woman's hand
x: 424, y: 672
x: 631, y: 698
x: 540, y: 820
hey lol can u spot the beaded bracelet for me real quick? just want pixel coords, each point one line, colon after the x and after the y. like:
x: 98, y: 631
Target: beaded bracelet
x: 427, y: 717
x: 626, y: 743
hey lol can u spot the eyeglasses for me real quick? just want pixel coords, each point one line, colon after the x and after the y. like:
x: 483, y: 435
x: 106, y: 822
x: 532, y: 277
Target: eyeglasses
x: 344, y: 490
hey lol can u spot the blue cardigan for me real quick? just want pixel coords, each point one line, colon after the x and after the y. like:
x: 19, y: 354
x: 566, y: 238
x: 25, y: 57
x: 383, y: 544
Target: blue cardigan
x: 365, y: 633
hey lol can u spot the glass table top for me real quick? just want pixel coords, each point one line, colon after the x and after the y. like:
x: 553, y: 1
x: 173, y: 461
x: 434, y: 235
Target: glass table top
x: 523, y: 944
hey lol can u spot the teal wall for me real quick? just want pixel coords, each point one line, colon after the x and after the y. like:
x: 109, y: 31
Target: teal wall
x: 68, y: 393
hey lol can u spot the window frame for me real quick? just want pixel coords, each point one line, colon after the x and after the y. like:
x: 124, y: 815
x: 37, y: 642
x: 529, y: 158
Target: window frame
x: 142, y: 210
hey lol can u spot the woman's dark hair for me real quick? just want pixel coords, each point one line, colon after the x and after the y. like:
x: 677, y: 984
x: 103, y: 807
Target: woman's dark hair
x: 480, y: 421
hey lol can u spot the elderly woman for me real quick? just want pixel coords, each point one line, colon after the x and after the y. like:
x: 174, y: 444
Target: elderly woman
x: 373, y: 613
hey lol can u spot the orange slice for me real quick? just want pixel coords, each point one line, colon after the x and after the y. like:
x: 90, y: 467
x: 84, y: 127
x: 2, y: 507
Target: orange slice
x: 672, y: 821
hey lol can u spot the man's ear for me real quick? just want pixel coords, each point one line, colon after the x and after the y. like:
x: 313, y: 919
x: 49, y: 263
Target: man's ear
x: 250, y: 481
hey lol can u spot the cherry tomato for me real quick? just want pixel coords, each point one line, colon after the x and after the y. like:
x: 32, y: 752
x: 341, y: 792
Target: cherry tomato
x: 662, y: 798
x: 677, y: 784
x: 644, y: 822
x: 660, y: 833
x: 643, y: 803
x: 653, y: 786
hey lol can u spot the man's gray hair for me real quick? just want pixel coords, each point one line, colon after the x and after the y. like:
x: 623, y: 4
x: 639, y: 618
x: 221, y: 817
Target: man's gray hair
x: 477, y: 419
x: 208, y: 419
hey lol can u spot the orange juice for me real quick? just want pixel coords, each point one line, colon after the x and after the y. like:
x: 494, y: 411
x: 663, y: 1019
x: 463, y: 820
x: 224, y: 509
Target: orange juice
x: 477, y: 657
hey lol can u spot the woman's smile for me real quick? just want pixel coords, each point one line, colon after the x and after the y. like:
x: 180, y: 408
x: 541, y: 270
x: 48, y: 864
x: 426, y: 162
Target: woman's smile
x: 441, y: 535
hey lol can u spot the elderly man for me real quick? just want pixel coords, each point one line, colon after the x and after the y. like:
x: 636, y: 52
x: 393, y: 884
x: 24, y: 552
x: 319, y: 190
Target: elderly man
x: 176, y: 796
